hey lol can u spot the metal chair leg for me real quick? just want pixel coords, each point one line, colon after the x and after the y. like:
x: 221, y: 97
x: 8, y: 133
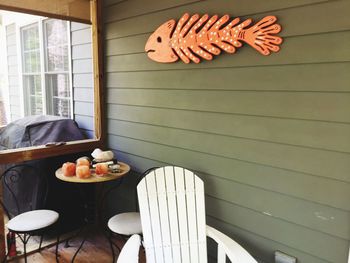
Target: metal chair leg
x: 111, y: 245
x: 41, y: 242
x: 56, y: 252
x: 25, y: 248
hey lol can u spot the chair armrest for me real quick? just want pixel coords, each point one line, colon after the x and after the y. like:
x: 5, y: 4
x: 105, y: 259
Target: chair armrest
x: 130, y: 251
x: 232, y: 249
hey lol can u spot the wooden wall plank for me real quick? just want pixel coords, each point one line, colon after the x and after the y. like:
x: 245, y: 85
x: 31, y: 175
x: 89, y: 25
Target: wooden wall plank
x: 10, y: 29
x: 112, y: 2
x: 83, y: 51
x: 316, y: 134
x: 84, y: 108
x: 83, y: 80
x: 75, y: 26
x: 313, y: 216
x: 84, y: 94
x: 149, y: 22
x: 298, y: 185
x: 313, y: 19
x: 82, y: 66
x: 81, y: 36
x: 125, y: 10
x: 311, y: 106
x: 318, y: 162
x: 85, y: 122
x: 11, y: 50
x: 12, y: 60
x: 309, y: 77
x: 12, y: 70
x: 305, y: 240
x: 11, y: 39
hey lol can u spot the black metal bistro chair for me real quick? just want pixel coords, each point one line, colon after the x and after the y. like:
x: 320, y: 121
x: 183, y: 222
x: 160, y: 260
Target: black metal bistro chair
x: 128, y: 223
x: 25, y: 191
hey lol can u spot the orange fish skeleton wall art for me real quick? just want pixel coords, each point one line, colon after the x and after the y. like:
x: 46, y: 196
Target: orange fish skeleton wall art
x: 196, y: 37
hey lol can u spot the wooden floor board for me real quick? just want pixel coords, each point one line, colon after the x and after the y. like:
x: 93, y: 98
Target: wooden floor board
x: 95, y: 249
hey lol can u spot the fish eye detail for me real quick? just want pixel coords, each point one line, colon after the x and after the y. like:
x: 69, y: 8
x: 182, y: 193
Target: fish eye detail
x: 159, y: 39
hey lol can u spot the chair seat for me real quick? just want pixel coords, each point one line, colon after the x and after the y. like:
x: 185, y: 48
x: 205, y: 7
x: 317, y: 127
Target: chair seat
x: 126, y: 223
x: 33, y: 220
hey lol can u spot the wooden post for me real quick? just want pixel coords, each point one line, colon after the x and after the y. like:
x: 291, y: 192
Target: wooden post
x: 97, y: 44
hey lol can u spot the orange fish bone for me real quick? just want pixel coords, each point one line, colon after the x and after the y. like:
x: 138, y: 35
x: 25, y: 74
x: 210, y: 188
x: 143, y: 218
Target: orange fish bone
x: 195, y: 37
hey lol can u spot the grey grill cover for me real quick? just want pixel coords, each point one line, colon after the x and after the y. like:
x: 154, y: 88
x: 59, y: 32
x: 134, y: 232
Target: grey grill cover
x: 38, y: 130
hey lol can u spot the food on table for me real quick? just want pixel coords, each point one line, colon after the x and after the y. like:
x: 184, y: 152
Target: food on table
x: 102, y: 156
x: 109, y: 163
x: 101, y: 169
x: 68, y: 169
x: 114, y: 168
x: 83, y: 161
x: 83, y: 171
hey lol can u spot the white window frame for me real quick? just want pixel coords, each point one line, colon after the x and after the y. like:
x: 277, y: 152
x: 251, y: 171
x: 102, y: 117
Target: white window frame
x: 24, y: 99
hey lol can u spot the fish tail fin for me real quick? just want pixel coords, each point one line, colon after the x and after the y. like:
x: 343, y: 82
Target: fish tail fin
x: 261, y: 36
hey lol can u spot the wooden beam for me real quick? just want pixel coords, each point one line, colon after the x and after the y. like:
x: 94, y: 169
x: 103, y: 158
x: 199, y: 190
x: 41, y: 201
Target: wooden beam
x: 39, y: 152
x: 97, y: 45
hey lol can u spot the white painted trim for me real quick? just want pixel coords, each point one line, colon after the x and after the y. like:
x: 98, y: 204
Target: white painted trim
x: 70, y: 69
x: 42, y: 65
x: 6, y: 90
x: 19, y: 68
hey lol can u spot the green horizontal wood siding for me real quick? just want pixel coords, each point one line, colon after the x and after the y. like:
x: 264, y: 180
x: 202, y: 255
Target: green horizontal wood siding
x: 270, y: 136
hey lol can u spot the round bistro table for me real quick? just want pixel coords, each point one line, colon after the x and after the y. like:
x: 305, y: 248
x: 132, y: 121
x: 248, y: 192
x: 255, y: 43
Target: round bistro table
x: 93, y: 179
x: 123, y: 170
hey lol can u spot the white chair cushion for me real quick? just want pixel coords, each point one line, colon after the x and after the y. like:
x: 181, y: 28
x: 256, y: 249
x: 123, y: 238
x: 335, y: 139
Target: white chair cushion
x: 32, y: 220
x: 126, y: 223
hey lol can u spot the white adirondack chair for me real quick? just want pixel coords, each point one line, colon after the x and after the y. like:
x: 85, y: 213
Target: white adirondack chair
x: 172, y: 211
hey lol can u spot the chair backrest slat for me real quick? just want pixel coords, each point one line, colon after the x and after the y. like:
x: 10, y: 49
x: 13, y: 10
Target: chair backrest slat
x: 201, y: 223
x: 146, y: 221
x: 191, y: 215
x: 182, y: 213
x: 163, y: 213
x: 173, y: 216
x: 221, y: 254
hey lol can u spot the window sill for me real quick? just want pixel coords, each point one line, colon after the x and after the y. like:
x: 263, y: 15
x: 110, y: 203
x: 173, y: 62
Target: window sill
x: 39, y: 152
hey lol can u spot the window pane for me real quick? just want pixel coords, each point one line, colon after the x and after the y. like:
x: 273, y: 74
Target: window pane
x: 61, y: 107
x: 57, y: 58
x: 36, y: 105
x: 32, y: 83
x: 59, y: 84
x: 56, y: 43
x: 31, y: 51
x: 30, y: 37
x: 32, y: 87
x: 56, y: 32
